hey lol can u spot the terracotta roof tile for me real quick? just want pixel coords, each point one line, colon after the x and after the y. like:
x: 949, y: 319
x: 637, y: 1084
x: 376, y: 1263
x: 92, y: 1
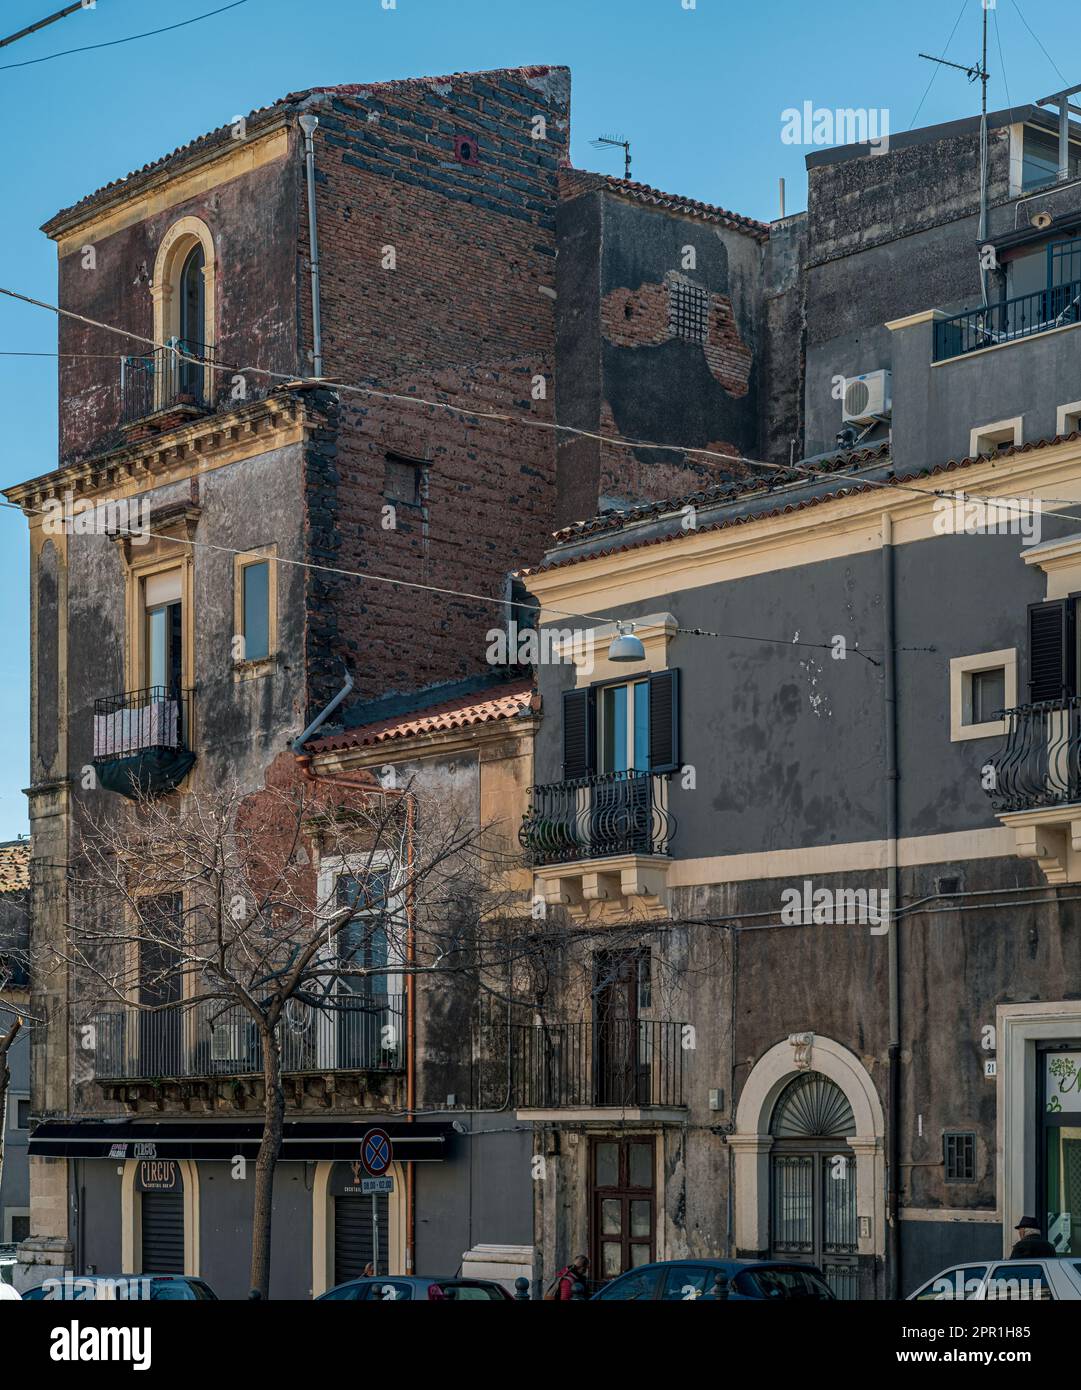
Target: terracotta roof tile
x: 671, y: 202
x: 502, y: 702
x: 262, y: 114
x: 850, y: 489
x: 14, y: 866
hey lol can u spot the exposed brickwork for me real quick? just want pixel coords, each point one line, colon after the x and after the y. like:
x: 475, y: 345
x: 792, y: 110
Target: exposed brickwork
x: 633, y: 475
x: 466, y: 317
x: 640, y: 318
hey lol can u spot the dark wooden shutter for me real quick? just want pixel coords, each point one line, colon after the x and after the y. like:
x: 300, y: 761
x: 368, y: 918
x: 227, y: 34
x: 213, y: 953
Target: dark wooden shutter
x: 1051, y: 662
x: 664, y: 721
x: 578, y: 735
x: 163, y: 1232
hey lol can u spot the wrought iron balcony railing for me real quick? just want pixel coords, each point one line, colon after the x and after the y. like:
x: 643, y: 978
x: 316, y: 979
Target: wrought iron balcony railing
x: 618, y: 1062
x: 163, y: 377
x: 1039, y: 763
x: 597, y: 817
x: 1007, y: 321
x: 207, y: 1039
x: 137, y: 721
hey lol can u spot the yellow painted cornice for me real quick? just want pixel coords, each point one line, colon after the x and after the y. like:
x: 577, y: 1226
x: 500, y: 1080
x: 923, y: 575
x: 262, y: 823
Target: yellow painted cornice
x: 830, y: 528
x: 181, y: 178
x: 437, y: 744
x: 209, y: 442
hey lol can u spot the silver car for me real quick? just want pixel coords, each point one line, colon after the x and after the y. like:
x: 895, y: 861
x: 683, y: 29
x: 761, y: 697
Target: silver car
x: 989, y: 1281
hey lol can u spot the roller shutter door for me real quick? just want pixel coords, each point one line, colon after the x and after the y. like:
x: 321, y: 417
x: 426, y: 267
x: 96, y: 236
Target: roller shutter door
x: 163, y: 1232
x: 353, y: 1236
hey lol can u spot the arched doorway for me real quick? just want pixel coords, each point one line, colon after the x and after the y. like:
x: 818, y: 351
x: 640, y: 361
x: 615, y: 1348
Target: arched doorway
x: 813, y: 1181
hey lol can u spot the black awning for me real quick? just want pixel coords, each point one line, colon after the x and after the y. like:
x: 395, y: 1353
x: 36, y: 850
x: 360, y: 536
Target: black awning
x: 423, y: 1142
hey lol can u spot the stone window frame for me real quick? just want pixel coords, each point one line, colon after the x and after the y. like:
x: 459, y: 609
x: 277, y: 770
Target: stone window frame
x: 1009, y: 432
x: 173, y: 251
x: 962, y: 667
x: 243, y: 668
x: 1068, y: 418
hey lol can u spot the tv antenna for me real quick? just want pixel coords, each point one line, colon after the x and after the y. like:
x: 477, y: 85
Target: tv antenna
x: 625, y: 145
x: 977, y: 72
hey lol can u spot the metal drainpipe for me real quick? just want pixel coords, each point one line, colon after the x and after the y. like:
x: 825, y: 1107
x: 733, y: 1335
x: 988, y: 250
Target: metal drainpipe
x: 308, y: 124
x: 893, y: 1229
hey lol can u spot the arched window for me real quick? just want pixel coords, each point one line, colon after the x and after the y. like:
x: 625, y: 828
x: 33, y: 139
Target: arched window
x: 192, y: 335
x: 184, y: 314
x: 812, y: 1107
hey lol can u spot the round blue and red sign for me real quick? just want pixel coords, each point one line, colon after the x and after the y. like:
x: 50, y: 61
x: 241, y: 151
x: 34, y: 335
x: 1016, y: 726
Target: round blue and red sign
x: 376, y: 1152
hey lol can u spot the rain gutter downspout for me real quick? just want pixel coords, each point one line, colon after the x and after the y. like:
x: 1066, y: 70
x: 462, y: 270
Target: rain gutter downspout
x: 893, y: 1157
x: 321, y: 719
x: 308, y: 124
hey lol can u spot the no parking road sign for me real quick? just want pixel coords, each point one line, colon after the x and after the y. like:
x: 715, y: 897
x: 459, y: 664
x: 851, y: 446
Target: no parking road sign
x: 376, y: 1152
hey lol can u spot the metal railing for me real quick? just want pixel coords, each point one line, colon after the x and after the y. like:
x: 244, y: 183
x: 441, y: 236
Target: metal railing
x: 1007, y: 321
x: 135, y: 721
x: 163, y: 377
x: 357, y: 1033
x: 596, y: 817
x: 1039, y: 763
x: 615, y: 1063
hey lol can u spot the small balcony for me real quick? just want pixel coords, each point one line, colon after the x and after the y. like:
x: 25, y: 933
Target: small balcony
x: 168, y: 380
x: 1037, y: 785
x: 603, y: 840
x: 1007, y: 321
x: 614, y: 813
x: 211, y: 1039
x: 629, y: 1065
x: 141, y: 740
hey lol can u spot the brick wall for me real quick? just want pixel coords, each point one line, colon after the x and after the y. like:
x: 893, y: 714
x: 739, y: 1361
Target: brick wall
x: 437, y: 283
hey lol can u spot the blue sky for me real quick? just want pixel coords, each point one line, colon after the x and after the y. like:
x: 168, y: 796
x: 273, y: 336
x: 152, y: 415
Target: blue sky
x: 698, y: 91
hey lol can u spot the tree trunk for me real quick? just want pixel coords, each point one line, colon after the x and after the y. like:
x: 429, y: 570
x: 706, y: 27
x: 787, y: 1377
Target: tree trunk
x: 267, y: 1162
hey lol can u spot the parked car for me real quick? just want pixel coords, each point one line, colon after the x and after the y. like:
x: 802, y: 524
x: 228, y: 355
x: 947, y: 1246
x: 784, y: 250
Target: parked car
x: 986, y: 1281
x: 8, y: 1292
x: 158, y: 1288
x: 404, y: 1288
x: 675, y: 1281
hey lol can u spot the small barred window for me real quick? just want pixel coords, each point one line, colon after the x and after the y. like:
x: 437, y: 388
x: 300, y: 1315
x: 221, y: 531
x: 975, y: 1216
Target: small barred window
x: 688, y: 311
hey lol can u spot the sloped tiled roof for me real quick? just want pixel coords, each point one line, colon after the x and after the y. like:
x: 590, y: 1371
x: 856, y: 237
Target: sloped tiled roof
x: 669, y: 202
x: 263, y: 115
x: 847, y: 486
x: 501, y: 702
x: 14, y: 866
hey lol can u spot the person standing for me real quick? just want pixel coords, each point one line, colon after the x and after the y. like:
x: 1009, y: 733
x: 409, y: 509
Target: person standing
x: 1030, y: 1241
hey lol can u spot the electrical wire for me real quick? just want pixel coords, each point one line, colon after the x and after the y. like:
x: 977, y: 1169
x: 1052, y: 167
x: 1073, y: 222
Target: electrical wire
x: 112, y: 43
x: 1028, y: 26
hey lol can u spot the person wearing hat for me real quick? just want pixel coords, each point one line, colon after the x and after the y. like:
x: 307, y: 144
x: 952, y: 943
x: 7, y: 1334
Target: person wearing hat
x: 1030, y: 1241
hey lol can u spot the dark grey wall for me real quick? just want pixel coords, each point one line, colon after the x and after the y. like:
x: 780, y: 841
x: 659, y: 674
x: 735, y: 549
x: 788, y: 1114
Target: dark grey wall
x: 482, y: 1194
x: 786, y: 742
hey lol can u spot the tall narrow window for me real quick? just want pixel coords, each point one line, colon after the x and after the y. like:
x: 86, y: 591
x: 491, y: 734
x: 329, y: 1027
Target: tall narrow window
x: 163, y: 668
x: 255, y: 611
x: 192, y: 323
x: 256, y: 601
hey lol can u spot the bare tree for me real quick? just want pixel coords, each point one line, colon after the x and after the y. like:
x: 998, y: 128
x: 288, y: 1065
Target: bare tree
x: 189, y: 915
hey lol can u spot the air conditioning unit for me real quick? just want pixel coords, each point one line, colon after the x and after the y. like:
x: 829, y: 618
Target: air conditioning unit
x: 225, y: 1042
x: 867, y: 398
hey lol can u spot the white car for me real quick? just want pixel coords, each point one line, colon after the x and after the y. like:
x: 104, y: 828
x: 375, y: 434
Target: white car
x: 7, y: 1292
x: 993, y: 1280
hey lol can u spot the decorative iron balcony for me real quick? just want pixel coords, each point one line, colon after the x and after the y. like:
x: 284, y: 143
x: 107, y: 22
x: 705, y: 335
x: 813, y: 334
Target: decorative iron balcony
x: 208, y: 1039
x: 1040, y: 760
x: 598, y: 817
x: 142, y: 738
x: 618, y: 1062
x: 163, y: 378
x: 1007, y: 321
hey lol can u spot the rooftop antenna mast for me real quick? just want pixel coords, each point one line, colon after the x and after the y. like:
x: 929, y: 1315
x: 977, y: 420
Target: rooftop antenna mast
x: 625, y: 145
x: 977, y: 72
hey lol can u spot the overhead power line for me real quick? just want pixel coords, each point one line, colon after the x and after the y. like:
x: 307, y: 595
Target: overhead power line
x: 112, y: 43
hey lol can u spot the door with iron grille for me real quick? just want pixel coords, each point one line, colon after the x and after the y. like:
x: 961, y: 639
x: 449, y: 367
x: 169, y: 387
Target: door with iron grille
x: 813, y: 1181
